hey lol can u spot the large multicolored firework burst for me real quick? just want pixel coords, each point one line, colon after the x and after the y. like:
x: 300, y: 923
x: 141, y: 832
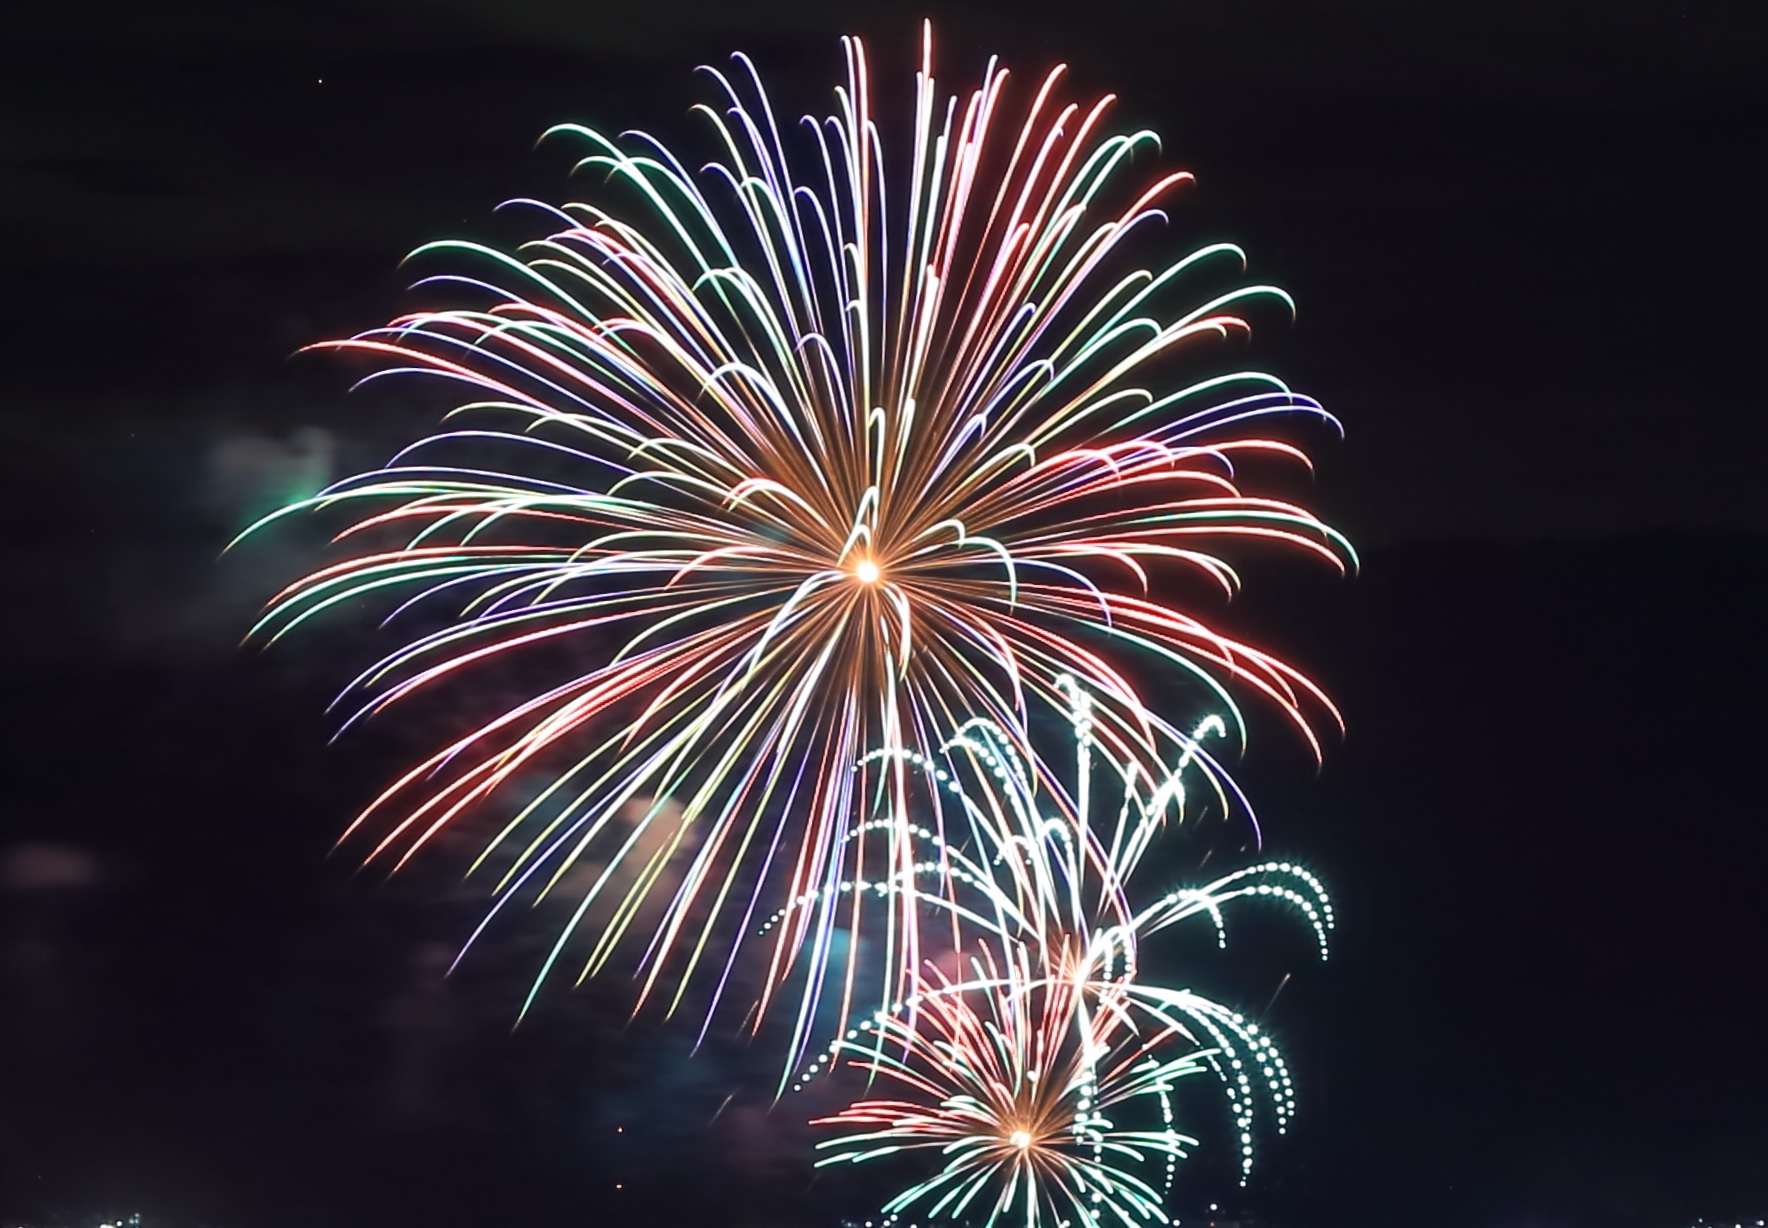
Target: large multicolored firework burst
x: 834, y: 445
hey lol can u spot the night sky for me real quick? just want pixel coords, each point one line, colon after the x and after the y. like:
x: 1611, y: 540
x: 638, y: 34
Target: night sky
x: 1526, y: 243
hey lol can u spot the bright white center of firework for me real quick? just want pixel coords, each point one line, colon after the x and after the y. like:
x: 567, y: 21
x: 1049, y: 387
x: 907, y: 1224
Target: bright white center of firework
x: 867, y: 572
x: 1020, y: 1139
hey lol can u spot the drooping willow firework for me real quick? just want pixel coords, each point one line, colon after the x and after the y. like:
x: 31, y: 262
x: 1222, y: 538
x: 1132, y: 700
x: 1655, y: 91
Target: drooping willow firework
x: 790, y: 467
x: 1056, y: 898
x: 1052, y: 869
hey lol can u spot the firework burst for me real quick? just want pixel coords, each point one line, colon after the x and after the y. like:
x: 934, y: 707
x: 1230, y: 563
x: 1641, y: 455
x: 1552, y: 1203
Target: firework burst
x: 1029, y: 1046
x: 789, y: 470
x: 1025, y: 1085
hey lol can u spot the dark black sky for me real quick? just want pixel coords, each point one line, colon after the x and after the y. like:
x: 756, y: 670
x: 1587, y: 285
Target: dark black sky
x: 1526, y: 243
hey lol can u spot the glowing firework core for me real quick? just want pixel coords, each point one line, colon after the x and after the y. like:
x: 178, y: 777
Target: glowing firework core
x: 867, y: 572
x: 1020, y: 1139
